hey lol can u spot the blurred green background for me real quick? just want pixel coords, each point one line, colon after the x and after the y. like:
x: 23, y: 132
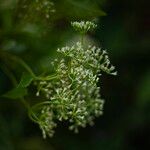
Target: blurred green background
x: 122, y: 29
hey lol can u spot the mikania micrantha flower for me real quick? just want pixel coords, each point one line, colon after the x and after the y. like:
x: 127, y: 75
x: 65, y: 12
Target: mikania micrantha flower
x: 39, y: 7
x: 83, y: 27
x: 72, y: 94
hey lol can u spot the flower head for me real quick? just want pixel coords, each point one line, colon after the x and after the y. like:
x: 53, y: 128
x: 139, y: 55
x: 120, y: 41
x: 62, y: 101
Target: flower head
x: 73, y: 94
x: 83, y: 27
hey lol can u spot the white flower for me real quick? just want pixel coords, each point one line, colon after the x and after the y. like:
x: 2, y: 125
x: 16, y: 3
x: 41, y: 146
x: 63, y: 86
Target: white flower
x: 74, y: 94
x: 83, y: 26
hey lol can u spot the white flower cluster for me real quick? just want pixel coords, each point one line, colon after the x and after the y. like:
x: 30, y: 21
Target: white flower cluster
x: 45, y: 6
x: 35, y: 8
x: 46, y: 122
x: 83, y: 26
x: 73, y: 94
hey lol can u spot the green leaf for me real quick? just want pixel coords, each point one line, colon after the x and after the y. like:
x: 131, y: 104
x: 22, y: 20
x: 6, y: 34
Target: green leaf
x: 77, y: 9
x: 26, y: 80
x: 91, y: 8
x: 16, y: 93
x: 21, y: 90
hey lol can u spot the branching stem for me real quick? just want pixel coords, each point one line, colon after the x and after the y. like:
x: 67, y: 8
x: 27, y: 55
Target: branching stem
x: 6, y: 55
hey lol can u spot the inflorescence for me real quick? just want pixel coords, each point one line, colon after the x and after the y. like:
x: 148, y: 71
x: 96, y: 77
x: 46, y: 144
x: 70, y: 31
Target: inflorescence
x: 37, y: 8
x: 73, y: 94
x: 83, y: 27
x: 45, y: 6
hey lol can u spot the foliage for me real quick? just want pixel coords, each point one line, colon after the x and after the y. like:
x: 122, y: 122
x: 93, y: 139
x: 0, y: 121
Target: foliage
x: 71, y: 93
x: 26, y: 34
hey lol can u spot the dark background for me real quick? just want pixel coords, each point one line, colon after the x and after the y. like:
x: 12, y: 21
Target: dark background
x: 123, y: 30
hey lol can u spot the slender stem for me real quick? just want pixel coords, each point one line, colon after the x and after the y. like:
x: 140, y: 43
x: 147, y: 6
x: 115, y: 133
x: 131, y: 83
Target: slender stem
x: 33, y: 117
x: 42, y: 103
x: 19, y: 60
x: 9, y: 74
x: 6, y: 55
x: 47, y: 78
x: 25, y: 103
x: 31, y: 114
x: 82, y: 39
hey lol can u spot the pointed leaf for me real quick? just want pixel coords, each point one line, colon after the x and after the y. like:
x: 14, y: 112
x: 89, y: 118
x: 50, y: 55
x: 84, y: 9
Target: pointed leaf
x: 16, y: 93
x: 26, y: 80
